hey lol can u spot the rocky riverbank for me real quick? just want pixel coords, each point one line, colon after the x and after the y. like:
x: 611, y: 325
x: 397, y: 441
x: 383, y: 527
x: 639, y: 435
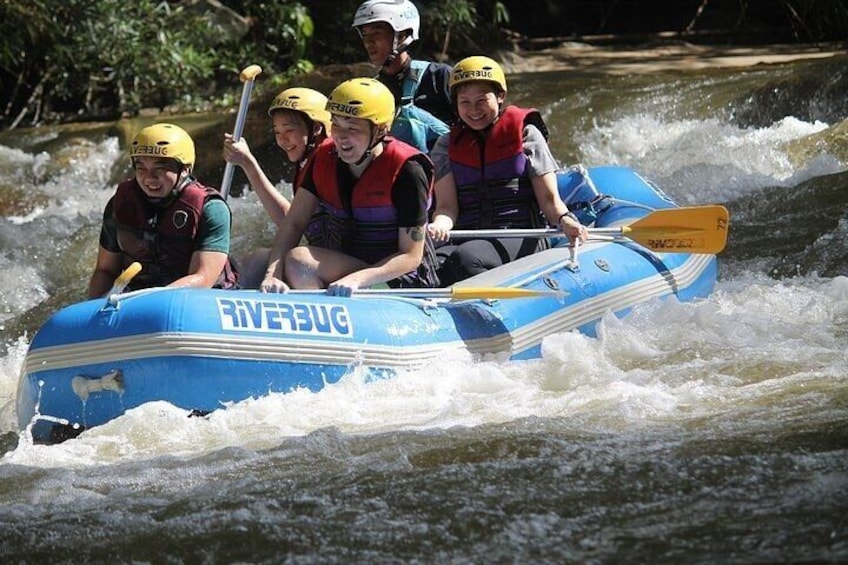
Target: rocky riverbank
x: 628, y: 59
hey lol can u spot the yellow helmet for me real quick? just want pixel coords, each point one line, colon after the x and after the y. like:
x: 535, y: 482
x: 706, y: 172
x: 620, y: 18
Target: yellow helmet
x: 164, y: 140
x: 474, y: 68
x: 310, y: 102
x: 364, y: 98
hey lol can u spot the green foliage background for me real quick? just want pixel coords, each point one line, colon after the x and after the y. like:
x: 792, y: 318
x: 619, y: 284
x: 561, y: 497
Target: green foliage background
x: 64, y: 60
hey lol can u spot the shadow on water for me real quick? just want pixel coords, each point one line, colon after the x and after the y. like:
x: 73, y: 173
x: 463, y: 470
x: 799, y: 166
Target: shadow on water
x: 535, y: 490
x: 814, y: 91
x: 8, y: 442
x: 796, y: 230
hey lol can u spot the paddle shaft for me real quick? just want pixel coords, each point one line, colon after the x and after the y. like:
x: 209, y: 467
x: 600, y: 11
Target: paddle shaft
x: 695, y: 229
x: 248, y: 76
x: 455, y: 293
x: 508, y: 233
x: 529, y: 233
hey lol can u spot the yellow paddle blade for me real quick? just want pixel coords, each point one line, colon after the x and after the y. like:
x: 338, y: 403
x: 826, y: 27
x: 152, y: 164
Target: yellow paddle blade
x: 125, y: 277
x: 695, y: 229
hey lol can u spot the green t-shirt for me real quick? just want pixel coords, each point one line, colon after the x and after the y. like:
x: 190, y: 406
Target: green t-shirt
x: 214, y: 231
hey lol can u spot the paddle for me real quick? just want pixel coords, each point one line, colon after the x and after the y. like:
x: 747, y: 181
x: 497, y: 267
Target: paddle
x: 124, y: 279
x: 456, y: 293
x: 459, y: 293
x: 694, y: 229
x: 247, y: 76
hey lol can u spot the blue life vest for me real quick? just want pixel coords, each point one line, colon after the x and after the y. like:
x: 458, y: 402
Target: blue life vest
x: 412, y: 124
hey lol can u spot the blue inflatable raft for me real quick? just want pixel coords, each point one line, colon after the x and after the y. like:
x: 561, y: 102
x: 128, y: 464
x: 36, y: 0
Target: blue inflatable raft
x: 199, y: 349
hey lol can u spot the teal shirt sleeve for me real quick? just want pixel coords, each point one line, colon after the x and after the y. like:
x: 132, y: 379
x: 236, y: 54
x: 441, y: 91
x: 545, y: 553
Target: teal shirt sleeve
x: 214, y: 231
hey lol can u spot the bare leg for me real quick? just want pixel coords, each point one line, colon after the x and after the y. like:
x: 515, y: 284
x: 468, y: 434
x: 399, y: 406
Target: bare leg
x: 315, y: 267
x: 301, y: 268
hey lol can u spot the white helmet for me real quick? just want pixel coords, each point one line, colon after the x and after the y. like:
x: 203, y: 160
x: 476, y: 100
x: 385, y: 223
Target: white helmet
x: 400, y: 14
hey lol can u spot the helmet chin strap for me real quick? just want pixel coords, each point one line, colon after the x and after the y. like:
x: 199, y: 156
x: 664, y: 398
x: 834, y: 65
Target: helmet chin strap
x: 368, y: 151
x: 311, y: 138
x: 398, y: 48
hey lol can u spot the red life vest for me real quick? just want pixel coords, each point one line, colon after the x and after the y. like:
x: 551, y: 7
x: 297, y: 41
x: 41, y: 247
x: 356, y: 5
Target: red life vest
x: 316, y: 230
x: 365, y: 224
x: 303, y: 166
x: 492, y: 181
x: 162, y: 238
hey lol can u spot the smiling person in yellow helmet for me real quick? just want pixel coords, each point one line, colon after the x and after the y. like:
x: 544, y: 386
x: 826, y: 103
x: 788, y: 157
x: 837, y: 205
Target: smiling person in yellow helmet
x: 388, y: 28
x: 163, y: 218
x: 300, y: 124
x: 493, y: 170
x: 375, y: 191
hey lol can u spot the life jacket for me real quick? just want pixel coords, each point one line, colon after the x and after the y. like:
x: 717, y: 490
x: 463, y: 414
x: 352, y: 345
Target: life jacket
x: 316, y: 230
x: 162, y: 238
x: 364, y: 223
x: 412, y: 124
x: 492, y: 180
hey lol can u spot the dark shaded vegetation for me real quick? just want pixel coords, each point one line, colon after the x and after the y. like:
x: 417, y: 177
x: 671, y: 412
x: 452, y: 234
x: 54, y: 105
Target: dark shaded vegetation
x: 65, y: 60
x: 715, y: 21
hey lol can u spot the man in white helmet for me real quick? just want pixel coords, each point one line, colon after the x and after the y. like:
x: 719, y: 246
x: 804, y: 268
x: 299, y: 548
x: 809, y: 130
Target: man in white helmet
x: 388, y: 28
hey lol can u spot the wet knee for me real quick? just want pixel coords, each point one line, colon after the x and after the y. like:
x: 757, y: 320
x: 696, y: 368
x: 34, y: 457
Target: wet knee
x: 300, y: 267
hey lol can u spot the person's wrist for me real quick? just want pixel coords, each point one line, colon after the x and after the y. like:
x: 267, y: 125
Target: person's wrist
x: 568, y: 214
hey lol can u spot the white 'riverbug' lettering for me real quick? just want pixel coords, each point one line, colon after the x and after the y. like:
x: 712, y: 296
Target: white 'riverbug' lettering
x: 290, y: 318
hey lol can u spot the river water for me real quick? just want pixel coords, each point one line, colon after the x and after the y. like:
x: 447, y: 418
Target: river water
x: 704, y: 432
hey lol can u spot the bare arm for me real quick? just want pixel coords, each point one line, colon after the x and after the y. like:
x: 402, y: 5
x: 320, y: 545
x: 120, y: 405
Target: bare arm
x: 554, y: 209
x: 106, y: 270
x: 287, y: 237
x: 238, y: 153
x: 204, y: 269
x: 409, y: 256
x: 447, y: 209
x: 447, y: 206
